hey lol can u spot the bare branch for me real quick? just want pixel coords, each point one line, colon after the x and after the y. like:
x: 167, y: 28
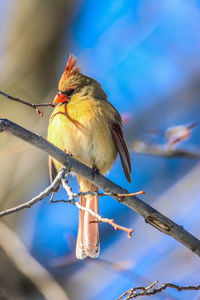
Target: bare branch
x: 51, y: 188
x: 151, y: 216
x: 110, y: 194
x: 141, y: 147
x: 72, y: 195
x: 91, y: 212
x: 34, y: 106
x: 149, y: 291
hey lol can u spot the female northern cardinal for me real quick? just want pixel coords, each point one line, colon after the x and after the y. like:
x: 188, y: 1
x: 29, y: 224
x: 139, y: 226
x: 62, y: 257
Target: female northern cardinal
x: 85, y: 124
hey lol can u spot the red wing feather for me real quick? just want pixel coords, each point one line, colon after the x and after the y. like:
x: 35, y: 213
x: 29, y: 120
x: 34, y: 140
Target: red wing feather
x: 123, y: 151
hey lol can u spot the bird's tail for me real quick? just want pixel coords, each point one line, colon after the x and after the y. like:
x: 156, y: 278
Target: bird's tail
x: 88, y: 230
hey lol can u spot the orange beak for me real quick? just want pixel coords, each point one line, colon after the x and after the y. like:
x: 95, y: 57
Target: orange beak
x: 60, y: 98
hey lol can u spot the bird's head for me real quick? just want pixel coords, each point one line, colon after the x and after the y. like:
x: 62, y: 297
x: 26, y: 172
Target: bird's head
x: 73, y: 82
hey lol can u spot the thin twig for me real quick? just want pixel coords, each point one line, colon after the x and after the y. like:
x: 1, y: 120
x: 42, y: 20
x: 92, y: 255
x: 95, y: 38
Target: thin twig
x: 51, y: 188
x: 110, y: 194
x: 147, y: 291
x: 72, y: 195
x: 68, y: 189
x: 151, y: 215
x: 91, y: 212
x: 105, y: 220
x: 34, y: 106
x: 39, y: 197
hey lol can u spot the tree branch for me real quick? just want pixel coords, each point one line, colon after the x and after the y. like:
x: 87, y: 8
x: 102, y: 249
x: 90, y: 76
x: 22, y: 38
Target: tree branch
x: 151, y: 216
x: 51, y: 188
x: 149, y: 291
x: 34, y: 106
x: 91, y: 212
x: 165, y: 150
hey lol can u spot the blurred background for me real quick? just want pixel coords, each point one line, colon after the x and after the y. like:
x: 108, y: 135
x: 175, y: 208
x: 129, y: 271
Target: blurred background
x: 146, y: 55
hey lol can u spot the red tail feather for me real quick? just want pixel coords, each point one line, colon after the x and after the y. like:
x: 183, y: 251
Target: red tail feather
x: 88, y: 231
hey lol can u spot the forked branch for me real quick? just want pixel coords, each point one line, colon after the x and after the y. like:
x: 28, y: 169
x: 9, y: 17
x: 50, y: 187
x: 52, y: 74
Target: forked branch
x: 149, y: 291
x: 34, y: 106
x: 52, y: 187
x: 151, y: 216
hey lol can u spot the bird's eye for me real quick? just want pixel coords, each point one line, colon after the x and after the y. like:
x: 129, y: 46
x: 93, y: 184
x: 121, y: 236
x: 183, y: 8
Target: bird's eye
x: 69, y: 92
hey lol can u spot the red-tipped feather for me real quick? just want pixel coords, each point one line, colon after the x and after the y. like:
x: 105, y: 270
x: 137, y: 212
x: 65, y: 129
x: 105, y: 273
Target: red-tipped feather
x: 117, y: 134
x: 88, y: 230
x: 71, y: 68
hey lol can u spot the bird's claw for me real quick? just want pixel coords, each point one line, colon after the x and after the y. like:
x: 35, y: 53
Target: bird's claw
x: 95, y: 171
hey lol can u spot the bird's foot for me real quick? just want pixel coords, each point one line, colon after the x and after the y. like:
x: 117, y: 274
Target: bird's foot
x: 67, y: 152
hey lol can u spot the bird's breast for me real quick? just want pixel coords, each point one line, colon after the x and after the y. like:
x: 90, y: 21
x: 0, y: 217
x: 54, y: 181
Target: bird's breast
x: 82, y: 129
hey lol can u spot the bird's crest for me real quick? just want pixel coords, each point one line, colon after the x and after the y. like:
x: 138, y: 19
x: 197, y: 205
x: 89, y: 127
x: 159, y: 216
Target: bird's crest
x: 71, y: 67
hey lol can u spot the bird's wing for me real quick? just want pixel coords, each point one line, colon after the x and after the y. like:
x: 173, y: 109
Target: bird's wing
x: 117, y: 134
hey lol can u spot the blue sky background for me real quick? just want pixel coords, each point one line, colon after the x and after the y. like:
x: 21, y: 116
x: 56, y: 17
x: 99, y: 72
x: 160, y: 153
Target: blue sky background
x: 146, y: 55
x: 142, y: 52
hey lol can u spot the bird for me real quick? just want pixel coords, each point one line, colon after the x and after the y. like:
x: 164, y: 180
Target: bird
x: 87, y: 126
